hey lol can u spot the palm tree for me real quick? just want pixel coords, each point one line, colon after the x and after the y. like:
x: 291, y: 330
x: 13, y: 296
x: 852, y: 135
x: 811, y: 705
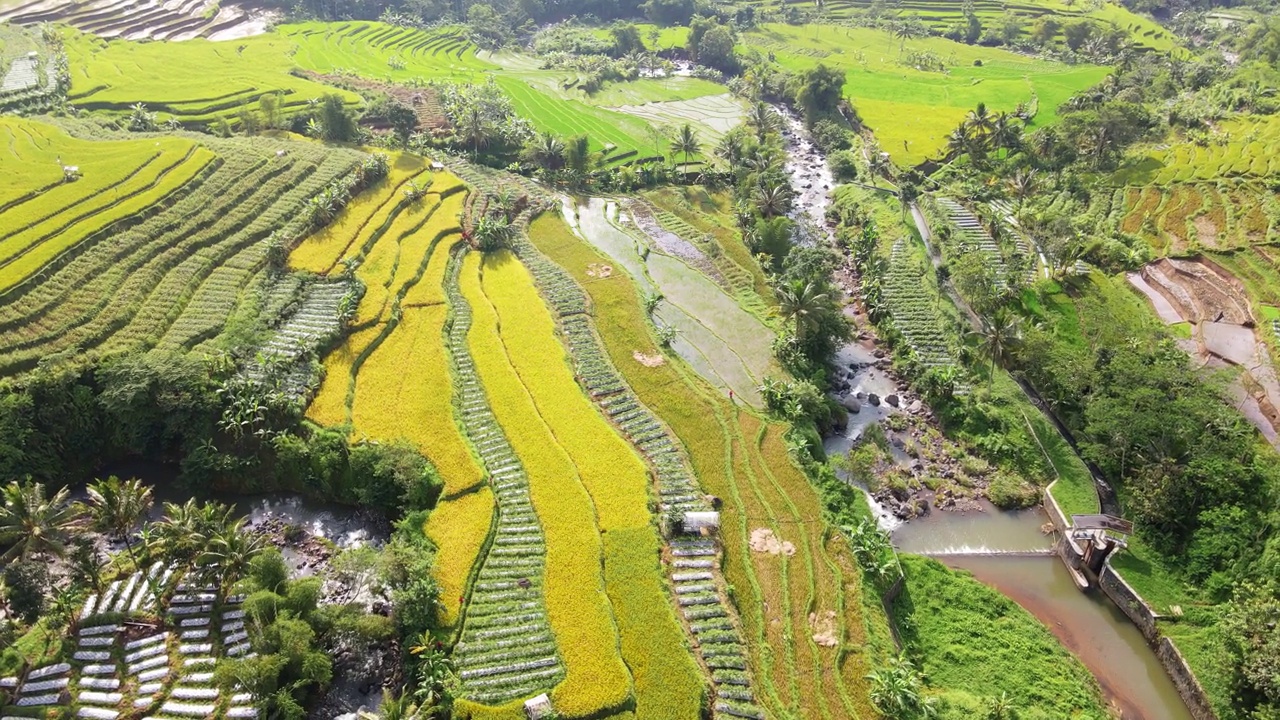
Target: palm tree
x: 801, y: 303
x: 731, y: 150
x: 230, y: 552
x: 1023, y: 185
x: 185, y: 530
x: 1005, y: 133
x: 762, y: 119
x: 117, y: 506
x: 32, y: 524
x: 686, y: 142
x: 474, y: 127
x: 908, y: 193
x: 959, y: 141
x: 980, y: 119
x: 998, y: 337
x: 548, y: 151
x: 773, y: 200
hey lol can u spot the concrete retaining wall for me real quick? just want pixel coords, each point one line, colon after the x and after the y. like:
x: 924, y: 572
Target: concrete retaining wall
x: 1188, y: 686
x: 1066, y: 548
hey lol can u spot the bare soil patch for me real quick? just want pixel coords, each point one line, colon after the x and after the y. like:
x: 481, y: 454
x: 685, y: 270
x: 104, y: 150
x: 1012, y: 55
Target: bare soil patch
x: 1207, y: 231
x: 763, y: 540
x: 823, y: 626
x: 648, y: 360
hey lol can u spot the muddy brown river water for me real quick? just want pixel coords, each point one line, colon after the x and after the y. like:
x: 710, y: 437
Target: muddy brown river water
x: 997, y: 547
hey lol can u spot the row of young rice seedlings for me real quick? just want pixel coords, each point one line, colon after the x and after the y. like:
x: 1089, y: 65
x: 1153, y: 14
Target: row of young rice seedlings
x: 215, y: 300
x: 912, y: 311
x: 180, y: 283
x: 506, y: 650
x: 116, y: 276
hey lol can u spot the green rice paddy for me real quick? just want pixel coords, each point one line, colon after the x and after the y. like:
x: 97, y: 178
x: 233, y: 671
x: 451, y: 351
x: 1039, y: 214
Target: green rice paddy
x: 1243, y: 148
x: 912, y: 110
x: 384, y: 52
x: 195, y: 81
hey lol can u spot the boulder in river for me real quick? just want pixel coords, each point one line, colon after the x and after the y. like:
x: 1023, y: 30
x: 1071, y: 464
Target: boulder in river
x: 892, y: 400
x: 851, y: 404
x: 874, y: 399
x: 914, y: 407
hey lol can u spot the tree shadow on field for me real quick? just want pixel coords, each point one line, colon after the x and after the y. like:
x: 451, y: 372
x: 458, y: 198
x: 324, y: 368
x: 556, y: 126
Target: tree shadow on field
x: 405, y: 162
x: 497, y: 260
x: 1139, y: 172
x: 902, y: 615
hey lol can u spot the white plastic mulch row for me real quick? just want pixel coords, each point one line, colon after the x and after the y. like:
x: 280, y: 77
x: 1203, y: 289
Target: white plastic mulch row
x: 188, y: 709
x: 126, y: 596
x: 145, y: 641
x: 43, y: 686
x: 95, y: 697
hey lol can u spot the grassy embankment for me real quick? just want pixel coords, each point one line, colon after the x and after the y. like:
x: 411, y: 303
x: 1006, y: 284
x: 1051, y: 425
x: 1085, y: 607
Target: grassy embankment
x: 974, y: 644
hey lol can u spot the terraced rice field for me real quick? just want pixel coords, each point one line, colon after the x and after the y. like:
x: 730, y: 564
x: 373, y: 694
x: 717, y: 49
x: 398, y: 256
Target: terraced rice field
x: 138, y: 19
x: 1184, y: 218
x: 717, y: 336
x: 712, y: 115
x: 394, y: 358
x: 582, y: 479
x: 368, y: 49
x: 551, y: 113
x: 360, y: 220
x: 1241, y: 149
x: 741, y: 459
x: 911, y: 111
x: 195, y: 82
x: 1183, y: 197
x: 942, y: 14
x: 127, y: 286
x: 44, y: 214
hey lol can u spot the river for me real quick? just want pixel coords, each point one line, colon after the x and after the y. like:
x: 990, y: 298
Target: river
x: 1009, y: 552
x: 1006, y: 550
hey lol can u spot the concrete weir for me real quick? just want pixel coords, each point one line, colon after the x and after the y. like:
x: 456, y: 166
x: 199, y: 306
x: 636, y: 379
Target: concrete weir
x: 1018, y: 553
x: 1090, y: 574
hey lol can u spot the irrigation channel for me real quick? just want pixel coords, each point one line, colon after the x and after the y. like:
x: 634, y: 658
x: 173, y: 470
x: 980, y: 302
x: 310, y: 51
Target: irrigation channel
x: 1006, y: 550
